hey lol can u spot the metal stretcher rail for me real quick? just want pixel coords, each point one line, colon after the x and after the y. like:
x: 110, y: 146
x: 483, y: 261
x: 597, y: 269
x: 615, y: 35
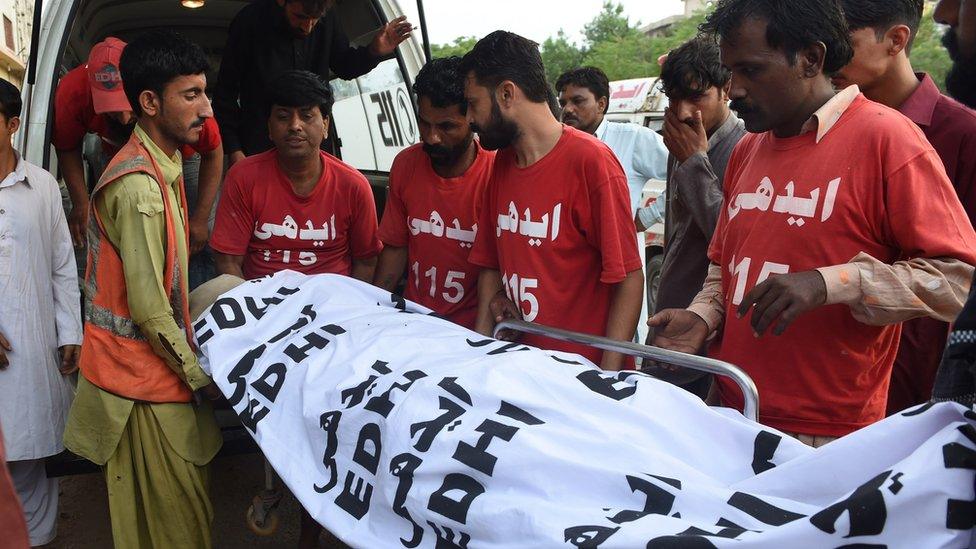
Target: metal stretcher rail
x: 750, y: 405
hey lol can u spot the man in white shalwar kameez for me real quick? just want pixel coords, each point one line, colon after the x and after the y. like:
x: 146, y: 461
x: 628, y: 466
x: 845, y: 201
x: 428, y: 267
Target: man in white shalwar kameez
x: 40, y: 323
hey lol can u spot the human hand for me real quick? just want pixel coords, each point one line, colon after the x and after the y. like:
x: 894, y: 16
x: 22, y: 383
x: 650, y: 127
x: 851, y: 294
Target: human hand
x: 199, y: 233
x: 678, y: 330
x: 684, y: 138
x: 69, y: 359
x: 502, y: 308
x: 783, y: 297
x: 78, y: 223
x: 211, y: 392
x: 390, y: 36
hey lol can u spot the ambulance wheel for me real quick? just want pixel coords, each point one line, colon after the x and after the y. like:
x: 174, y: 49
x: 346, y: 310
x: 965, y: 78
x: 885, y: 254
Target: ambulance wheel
x: 267, y: 527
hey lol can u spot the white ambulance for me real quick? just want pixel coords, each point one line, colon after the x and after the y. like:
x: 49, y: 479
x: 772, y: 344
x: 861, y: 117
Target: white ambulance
x: 373, y: 115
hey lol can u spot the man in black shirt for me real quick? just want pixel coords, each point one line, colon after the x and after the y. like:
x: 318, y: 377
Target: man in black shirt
x: 268, y: 37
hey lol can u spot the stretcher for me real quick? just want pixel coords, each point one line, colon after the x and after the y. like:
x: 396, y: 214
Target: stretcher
x: 750, y: 408
x: 262, y: 514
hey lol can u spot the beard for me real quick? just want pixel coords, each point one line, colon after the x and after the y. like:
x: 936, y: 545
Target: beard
x: 447, y: 156
x: 499, y: 133
x: 961, y: 80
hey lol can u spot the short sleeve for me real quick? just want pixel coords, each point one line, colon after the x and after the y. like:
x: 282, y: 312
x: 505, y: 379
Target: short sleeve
x: 364, y: 240
x: 484, y: 253
x: 924, y: 215
x: 650, y: 155
x: 611, y: 226
x: 69, y: 124
x: 393, y: 224
x: 235, y: 218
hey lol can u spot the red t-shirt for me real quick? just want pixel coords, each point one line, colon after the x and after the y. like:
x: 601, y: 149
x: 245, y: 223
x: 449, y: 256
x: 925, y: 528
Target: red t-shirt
x: 437, y: 219
x: 260, y: 217
x: 872, y: 185
x: 74, y: 116
x: 561, y: 233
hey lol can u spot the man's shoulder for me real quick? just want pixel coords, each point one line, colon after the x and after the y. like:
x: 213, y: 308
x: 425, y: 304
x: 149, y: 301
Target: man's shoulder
x: 39, y: 176
x: 252, y: 167
x: 584, y: 146
x: 954, y: 117
x: 345, y: 174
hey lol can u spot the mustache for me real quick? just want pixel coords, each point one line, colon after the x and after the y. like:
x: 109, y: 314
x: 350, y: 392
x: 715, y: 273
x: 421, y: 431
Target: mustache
x: 199, y: 123
x: 740, y: 106
x: 436, y: 150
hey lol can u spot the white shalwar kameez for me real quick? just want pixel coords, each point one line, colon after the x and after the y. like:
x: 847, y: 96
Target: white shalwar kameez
x: 39, y: 312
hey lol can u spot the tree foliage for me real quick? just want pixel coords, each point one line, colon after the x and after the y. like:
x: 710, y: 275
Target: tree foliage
x: 616, y: 45
x: 928, y: 53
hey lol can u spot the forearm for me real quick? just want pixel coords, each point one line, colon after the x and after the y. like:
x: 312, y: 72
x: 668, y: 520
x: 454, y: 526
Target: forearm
x: 625, y: 307
x: 229, y: 264
x: 170, y: 343
x: 362, y: 269
x: 880, y: 294
x: 699, y: 190
x: 709, y: 304
x: 390, y: 267
x: 73, y: 170
x: 489, y: 284
x: 211, y: 167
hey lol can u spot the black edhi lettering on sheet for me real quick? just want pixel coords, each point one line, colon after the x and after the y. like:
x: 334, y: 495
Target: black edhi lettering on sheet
x: 220, y: 310
x: 764, y: 448
x: 477, y: 456
x: 357, y: 491
x: 657, y: 501
x: 960, y: 514
x: 865, y: 506
x: 589, y: 537
x: 448, y: 538
x: 430, y: 429
x: 919, y: 411
x: 403, y: 467
x: 762, y: 511
x: 329, y: 422
x: 444, y: 501
x: 383, y: 404
x: 604, y: 385
x: 308, y: 316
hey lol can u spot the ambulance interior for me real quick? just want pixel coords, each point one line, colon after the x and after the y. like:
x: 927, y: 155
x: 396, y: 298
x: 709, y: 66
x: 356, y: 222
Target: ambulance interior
x: 207, y: 25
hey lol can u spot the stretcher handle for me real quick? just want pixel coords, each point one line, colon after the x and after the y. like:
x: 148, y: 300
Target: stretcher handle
x: 750, y: 405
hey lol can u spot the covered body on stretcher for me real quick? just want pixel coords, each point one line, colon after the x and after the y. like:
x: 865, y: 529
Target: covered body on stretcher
x: 395, y: 428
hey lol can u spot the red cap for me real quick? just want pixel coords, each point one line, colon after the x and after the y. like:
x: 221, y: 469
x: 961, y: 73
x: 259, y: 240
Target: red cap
x: 104, y: 77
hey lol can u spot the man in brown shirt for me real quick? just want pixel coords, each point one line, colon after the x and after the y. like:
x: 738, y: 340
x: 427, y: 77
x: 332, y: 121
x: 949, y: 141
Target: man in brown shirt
x: 882, y: 32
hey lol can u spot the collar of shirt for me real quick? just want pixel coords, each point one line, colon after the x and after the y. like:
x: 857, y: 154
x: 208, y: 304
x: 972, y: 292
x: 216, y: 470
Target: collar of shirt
x: 723, y: 130
x: 18, y: 175
x: 920, y: 105
x: 831, y: 111
x: 601, y: 130
x: 171, y: 166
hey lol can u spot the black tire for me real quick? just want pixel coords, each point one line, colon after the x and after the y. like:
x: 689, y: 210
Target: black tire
x: 653, y: 281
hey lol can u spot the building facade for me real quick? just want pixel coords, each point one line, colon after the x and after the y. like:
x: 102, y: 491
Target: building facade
x: 17, y: 17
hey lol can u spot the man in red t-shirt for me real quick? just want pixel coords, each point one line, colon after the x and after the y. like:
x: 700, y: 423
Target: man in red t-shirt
x: 90, y: 99
x: 295, y: 206
x: 436, y: 187
x: 556, y: 236
x: 839, y: 223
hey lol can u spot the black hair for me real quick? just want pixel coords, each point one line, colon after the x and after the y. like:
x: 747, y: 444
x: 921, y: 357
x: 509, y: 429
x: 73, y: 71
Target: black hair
x: 440, y: 81
x: 791, y: 26
x: 10, y: 102
x: 881, y: 15
x: 297, y: 88
x: 590, y: 78
x: 313, y: 6
x: 155, y: 59
x: 693, y: 68
x: 504, y: 55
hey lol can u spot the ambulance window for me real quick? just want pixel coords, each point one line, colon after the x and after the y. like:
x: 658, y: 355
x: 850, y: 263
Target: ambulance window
x: 349, y: 122
x: 389, y: 112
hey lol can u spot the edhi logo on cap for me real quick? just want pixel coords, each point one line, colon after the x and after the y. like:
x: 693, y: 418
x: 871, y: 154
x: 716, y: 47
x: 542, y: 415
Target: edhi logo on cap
x: 108, y: 77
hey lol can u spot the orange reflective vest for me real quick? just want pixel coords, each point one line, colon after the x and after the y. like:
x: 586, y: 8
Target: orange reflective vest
x: 115, y: 355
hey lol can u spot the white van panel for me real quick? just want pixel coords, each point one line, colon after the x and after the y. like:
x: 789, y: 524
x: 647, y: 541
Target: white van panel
x: 353, y: 129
